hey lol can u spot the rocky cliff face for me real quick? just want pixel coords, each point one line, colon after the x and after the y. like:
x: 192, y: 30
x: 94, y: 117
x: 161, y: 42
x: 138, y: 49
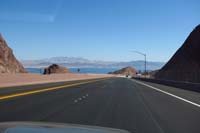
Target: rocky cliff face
x: 54, y: 68
x: 125, y: 71
x: 185, y: 64
x: 8, y: 62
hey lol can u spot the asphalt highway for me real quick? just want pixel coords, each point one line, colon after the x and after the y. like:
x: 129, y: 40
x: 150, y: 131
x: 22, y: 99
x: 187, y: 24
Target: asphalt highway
x: 135, y: 106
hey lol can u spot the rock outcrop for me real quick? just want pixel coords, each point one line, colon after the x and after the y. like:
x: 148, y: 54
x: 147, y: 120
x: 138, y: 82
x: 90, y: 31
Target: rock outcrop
x: 8, y: 62
x: 54, y: 68
x: 125, y: 71
x: 185, y: 64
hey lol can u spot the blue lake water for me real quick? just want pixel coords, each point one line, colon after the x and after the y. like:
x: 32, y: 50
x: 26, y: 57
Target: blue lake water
x: 74, y: 70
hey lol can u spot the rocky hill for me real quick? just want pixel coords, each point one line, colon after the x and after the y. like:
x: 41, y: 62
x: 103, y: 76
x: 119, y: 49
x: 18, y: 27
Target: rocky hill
x: 8, y: 62
x: 185, y: 64
x: 125, y: 71
x: 54, y: 68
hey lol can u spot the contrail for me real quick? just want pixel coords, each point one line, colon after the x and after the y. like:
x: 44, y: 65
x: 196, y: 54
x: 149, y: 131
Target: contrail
x: 32, y: 16
x: 57, y: 9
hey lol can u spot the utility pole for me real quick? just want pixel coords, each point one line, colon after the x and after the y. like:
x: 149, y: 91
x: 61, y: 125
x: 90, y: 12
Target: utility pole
x: 145, y: 61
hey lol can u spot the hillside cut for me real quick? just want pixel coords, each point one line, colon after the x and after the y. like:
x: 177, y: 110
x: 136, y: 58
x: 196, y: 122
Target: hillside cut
x: 185, y: 63
x: 8, y: 62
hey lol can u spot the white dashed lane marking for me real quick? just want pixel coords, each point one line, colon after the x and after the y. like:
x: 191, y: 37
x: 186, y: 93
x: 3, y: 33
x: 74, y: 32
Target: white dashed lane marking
x: 81, y: 98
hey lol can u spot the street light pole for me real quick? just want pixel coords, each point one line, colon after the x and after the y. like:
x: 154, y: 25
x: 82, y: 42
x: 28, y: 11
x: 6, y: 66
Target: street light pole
x: 145, y: 61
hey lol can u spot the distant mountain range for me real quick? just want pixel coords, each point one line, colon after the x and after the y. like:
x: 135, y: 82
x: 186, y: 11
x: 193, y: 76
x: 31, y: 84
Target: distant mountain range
x: 74, y: 62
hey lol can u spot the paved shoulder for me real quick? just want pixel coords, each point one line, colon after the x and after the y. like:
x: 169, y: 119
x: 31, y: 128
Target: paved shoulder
x: 177, y: 92
x: 172, y: 113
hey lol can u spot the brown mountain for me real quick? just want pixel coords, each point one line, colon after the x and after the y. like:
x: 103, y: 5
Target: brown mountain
x: 8, y: 62
x: 54, y: 68
x: 125, y: 71
x: 185, y: 63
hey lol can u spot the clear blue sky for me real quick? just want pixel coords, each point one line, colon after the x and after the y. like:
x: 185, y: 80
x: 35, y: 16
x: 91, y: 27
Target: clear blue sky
x: 97, y: 29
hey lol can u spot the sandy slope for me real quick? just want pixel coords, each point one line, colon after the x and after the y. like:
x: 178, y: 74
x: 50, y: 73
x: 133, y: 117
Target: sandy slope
x: 7, y: 80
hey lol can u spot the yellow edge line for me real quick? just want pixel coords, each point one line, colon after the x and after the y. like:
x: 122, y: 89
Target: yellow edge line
x: 44, y: 90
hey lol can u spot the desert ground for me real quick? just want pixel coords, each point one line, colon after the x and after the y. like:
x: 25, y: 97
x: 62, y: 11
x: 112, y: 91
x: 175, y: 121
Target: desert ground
x: 7, y: 80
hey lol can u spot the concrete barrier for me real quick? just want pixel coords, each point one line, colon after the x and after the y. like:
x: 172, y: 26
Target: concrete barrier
x: 182, y: 85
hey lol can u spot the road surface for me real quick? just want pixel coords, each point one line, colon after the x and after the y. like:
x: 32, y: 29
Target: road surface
x: 122, y: 103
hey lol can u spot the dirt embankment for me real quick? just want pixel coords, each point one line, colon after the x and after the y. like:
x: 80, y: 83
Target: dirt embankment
x: 7, y: 80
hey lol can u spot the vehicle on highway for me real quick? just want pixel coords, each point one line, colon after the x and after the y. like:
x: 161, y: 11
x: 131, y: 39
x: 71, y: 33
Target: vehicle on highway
x: 38, y: 127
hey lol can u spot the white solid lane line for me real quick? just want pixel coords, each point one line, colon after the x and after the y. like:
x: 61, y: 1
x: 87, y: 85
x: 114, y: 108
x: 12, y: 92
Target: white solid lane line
x: 180, y: 98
